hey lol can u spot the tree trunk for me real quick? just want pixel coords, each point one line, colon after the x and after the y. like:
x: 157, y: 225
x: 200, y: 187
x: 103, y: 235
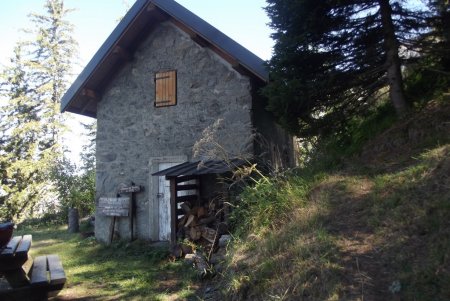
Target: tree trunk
x: 393, y: 65
x: 74, y: 225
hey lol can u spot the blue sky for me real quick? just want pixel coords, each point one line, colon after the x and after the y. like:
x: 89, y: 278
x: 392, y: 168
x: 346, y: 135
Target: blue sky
x: 245, y: 21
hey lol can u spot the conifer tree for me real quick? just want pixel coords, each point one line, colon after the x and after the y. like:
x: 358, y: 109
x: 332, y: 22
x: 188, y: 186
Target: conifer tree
x: 333, y: 58
x: 31, y: 126
x: 20, y: 127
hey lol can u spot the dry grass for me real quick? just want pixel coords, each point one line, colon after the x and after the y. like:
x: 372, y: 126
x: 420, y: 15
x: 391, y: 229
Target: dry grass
x: 378, y: 229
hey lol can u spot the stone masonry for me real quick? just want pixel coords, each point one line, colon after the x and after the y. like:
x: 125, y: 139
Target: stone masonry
x: 214, y: 104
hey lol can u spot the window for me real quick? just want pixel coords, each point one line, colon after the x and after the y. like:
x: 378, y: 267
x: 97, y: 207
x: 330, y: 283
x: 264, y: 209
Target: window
x: 166, y: 88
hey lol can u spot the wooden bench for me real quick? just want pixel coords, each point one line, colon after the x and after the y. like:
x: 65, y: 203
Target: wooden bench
x: 48, y: 272
x: 46, y: 279
x: 29, y: 279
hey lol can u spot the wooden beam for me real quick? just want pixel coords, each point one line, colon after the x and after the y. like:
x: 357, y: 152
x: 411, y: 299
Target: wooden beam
x: 200, y: 40
x: 151, y: 7
x: 173, y: 212
x: 90, y: 94
x: 194, y: 36
x: 122, y: 53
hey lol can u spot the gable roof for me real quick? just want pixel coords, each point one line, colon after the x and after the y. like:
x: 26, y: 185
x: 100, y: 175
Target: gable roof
x: 118, y: 49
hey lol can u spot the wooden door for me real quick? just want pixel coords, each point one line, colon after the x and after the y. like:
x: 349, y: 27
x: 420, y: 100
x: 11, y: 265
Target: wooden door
x: 164, y: 204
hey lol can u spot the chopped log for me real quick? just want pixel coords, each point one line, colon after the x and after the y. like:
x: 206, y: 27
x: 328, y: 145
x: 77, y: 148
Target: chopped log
x: 201, y: 212
x: 207, y: 220
x: 190, y: 219
x: 186, y: 208
x: 182, y: 221
x: 209, y: 234
x: 190, y: 258
x: 194, y: 211
x: 195, y: 233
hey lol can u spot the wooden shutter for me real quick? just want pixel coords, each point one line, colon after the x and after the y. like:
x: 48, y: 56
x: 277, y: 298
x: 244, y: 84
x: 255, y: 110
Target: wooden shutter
x: 166, y: 88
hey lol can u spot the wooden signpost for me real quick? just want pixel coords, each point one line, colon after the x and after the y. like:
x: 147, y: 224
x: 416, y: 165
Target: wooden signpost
x: 120, y: 207
x: 130, y: 189
x: 115, y: 207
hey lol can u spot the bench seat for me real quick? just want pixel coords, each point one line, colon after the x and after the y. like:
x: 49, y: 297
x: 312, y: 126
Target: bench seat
x: 48, y: 271
x: 46, y: 279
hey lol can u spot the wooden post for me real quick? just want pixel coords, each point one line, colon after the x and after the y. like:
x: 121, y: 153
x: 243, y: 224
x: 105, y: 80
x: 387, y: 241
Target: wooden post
x: 173, y: 211
x: 111, y: 229
x: 131, y: 217
x: 131, y: 205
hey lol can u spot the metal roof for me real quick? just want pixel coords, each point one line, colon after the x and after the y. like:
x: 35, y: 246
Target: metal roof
x: 117, y: 50
x: 201, y: 168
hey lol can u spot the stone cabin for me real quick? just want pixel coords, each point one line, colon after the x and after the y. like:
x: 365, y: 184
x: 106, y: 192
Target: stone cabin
x: 167, y: 88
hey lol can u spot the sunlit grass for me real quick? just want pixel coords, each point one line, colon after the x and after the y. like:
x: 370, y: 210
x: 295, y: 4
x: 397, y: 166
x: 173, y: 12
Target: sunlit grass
x: 319, y: 226
x: 122, y: 271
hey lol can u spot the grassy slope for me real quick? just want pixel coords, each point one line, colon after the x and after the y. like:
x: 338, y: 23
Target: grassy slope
x: 377, y: 229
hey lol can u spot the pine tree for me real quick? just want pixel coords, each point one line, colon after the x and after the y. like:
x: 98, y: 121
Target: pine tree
x: 20, y: 126
x: 52, y: 52
x: 31, y: 125
x: 332, y: 58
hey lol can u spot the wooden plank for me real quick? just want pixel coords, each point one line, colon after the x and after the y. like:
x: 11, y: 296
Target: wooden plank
x: 39, y: 271
x: 185, y: 179
x: 119, y: 202
x: 56, y: 270
x: 24, y: 246
x: 11, y: 247
x: 114, y: 212
x: 173, y: 214
x: 187, y: 187
x: 186, y: 198
x: 130, y: 189
x: 165, y: 88
x: 119, y: 206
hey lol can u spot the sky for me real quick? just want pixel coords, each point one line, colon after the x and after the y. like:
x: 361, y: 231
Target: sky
x: 245, y: 21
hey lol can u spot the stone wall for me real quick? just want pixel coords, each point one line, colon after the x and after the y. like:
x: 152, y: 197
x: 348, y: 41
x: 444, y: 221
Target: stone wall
x: 213, y: 108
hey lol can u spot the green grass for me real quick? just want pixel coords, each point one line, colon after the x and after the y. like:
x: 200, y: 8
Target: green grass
x: 122, y: 271
x: 346, y: 236
x: 370, y: 225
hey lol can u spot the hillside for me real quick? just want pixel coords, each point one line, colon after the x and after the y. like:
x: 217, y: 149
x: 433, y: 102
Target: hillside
x: 377, y: 228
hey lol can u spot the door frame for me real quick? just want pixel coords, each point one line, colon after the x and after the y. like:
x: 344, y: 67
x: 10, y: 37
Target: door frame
x: 153, y: 204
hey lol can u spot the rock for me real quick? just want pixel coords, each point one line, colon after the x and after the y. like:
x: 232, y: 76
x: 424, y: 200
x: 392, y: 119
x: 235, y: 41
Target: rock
x: 224, y: 240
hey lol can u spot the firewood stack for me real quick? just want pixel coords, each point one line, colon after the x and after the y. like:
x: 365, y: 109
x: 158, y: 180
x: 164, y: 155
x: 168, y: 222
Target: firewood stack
x: 203, y: 226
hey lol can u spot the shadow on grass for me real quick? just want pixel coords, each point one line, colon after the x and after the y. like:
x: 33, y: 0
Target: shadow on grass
x: 378, y: 237
x: 394, y: 231
x: 122, y: 271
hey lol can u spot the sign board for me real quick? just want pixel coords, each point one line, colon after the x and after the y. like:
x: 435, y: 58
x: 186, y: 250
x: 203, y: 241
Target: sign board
x: 119, y: 206
x: 130, y: 189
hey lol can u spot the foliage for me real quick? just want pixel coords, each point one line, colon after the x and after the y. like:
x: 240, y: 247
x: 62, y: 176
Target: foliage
x: 75, y: 189
x: 333, y: 59
x: 267, y: 203
x: 31, y: 126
